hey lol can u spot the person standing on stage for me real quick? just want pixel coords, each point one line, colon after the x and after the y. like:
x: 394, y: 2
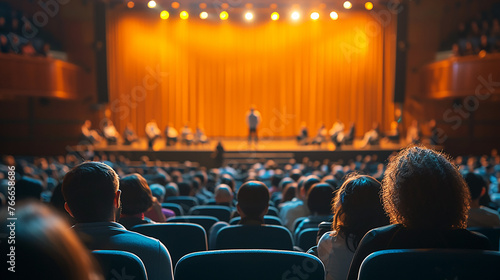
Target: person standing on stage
x: 152, y: 132
x: 253, y: 121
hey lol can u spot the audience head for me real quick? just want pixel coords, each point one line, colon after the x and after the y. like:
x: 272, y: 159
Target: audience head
x: 476, y: 184
x: 136, y: 195
x: 296, y: 174
x: 253, y: 200
x: 91, y: 192
x: 223, y: 194
x: 276, y: 178
x: 172, y: 190
x: 307, y: 183
x: 289, y: 192
x: 228, y: 180
x: 47, y: 247
x: 357, y: 209
x: 422, y: 189
x: 184, y: 188
x: 319, y: 198
x: 158, y: 191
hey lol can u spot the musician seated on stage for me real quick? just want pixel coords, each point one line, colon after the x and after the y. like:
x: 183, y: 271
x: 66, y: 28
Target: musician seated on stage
x: 320, y: 136
x: 199, y: 136
x: 187, y: 135
x: 372, y: 137
x: 303, y: 134
x: 90, y: 136
x: 152, y: 132
x: 110, y: 133
x: 171, y: 135
x: 129, y: 135
x: 337, y: 133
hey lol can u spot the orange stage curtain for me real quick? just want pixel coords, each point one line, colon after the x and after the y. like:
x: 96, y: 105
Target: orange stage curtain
x: 210, y: 73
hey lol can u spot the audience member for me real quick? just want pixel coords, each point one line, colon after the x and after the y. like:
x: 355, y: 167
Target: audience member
x: 319, y: 198
x: 297, y: 207
x: 93, y: 199
x: 427, y: 201
x: 479, y: 216
x: 136, y: 199
x: 356, y: 209
x: 223, y: 195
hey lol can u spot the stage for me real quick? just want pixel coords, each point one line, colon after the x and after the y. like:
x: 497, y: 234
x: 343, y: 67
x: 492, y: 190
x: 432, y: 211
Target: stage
x: 238, y: 151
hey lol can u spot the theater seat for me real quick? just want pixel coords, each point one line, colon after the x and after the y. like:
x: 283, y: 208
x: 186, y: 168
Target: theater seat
x: 185, y: 201
x: 268, y: 220
x: 223, y: 213
x: 179, y: 238
x: 205, y: 221
x: 272, y: 211
x: 254, y: 237
x: 493, y: 235
x: 249, y: 265
x: 307, y: 238
x: 174, y: 207
x: 430, y: 264
x: 120, y: 265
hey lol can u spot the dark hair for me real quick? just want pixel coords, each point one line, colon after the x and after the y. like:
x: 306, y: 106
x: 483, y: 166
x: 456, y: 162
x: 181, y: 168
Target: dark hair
x: 89, y: 190
x: 357, y: 209
x: 319, y: 199
x: 475, y: 183
x: 202, y: 176
x: 296, y: 174
x: 136, y: 196
x: 289, y: 192
x: 276, y: 178
x: 422, y: 189
x: 228, y: 180
x: 253, y: 199
x: 284, y: 182
x: 184, y: 188
x: 309, y: 182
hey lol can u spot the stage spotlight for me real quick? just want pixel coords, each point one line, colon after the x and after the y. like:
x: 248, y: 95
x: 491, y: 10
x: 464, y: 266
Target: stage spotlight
x: 184, y: 15
x: 334, y: 15
x: 275, y: 16
x: 314, y: 16
x: 248, y: 16
x: 295, y: 15
x: 175, y: 5
x: 203, y: 15
x: 224, y: 15
x: 130, y: 4
x: 369, y: 6
x: 151, y: 4
x: 164, y: 15
x: 347, y: 5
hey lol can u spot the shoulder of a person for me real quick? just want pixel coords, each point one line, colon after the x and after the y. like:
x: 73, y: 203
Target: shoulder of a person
x: 327, y: 238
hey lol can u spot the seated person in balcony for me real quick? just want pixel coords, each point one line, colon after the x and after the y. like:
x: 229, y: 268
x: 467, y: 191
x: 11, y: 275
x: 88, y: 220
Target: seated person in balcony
x: 4, y: 44
x: 93, y: 199
x: 152, y: 132
x: 319, y: 200
x: 89, y: 135
x: 129, y: 135
x: 413, y: 134
x: 187, y: 135
x: 484, y: 45
x: 337, y: 133
x: 110, y: 133
x: 372, y: 136
x: 303, y: 134
x: 320, y: 136
x: 200, y: 137
x: 427, y: 201
x: 171, y: 135
x: 479, y: 216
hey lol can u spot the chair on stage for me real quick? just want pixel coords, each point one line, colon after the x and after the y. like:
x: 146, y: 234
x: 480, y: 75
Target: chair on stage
x: 254, y: 237
x: 430, y: 264
x: 179, y: 238
x: 223, y: 213
x: 119, y: 264
x: 268, y: 220
x: 249, y: 265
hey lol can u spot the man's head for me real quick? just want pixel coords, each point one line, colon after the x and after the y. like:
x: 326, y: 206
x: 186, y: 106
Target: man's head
x: 223, y: 194
x: 476, y: 184
x: 173, y: 190
x: 319, y: 198
x: 253, y: 200
x: 308, y: 182
x: 91, y: 192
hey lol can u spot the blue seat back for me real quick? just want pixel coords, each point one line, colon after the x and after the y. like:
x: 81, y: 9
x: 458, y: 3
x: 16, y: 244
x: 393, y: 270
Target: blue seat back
x: 307, y: 238
x: 174, y: 207
x: 179, y: 238
x: 493, y: 235
x: 430, y: 264
x: 268, y: 220
x: 272, y: 211
x: 205, y: 221
x: 249, y: 265
x: 120, y: 265
x: 223, y: 213
x: 186, y: 202
x: 254, y: 237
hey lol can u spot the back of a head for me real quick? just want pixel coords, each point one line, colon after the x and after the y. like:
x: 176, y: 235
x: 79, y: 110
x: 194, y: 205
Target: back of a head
x: 284, y: 182
x: 89, y: 190
x: 422, y: 189
x: 475, y: 183
x: 202, y: 176
x: 47, y: 247
x: 253, y: 199
x: 172, y: 190
x: 228, y: 180
x: 158, y: 191
x: 136, y: 196
x: 223, y: 194
x: 309, y: 182
x: 289, y: 192
x: 296, y: 174
x: 276, y: 178
x: 319, y: 199
x: 184, y: 188
x: 357, y: 209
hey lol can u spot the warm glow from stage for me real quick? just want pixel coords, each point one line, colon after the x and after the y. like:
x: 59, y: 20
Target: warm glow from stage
x: 275, y: 16
x: 334, y: 15
x: 151, y: 4
x: 184, y: 15
x: 203, y: 15
x: 369, y: 6
x: 203, y: 5
x: 224, y: 15
x: 175, y: 5
x: 248, y: 16
x: 164, y: 15
x: 347, y: 5
x: 209, y: 72
x: 314, y: 16
x: 295, y: 15
x: 130, y: 4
